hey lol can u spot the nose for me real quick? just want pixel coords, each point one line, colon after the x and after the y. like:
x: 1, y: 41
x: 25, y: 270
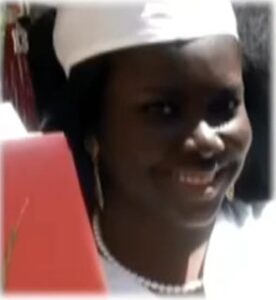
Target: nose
x: 204, y: 140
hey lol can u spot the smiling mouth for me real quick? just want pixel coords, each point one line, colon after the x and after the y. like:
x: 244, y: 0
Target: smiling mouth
x: 196, y: 178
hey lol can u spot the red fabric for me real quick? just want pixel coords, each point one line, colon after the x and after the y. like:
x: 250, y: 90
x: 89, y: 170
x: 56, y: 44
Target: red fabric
x: 17, y: 83
x: 54, y: 250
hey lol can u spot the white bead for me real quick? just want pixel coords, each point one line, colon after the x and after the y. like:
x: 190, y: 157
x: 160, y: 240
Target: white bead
x: 162, y: 288
x: 170, y: 289
x: 177, y: 289
x: 154, y: 285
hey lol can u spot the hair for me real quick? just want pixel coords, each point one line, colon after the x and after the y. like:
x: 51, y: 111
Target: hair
x: 86, y: 87
x: 84, y: 94
x: 254, y: 26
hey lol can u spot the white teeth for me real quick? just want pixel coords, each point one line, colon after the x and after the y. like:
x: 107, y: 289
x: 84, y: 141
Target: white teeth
x: 195, y: 180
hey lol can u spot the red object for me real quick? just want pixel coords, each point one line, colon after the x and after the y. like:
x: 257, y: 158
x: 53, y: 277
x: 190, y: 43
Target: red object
x: 54, y: 249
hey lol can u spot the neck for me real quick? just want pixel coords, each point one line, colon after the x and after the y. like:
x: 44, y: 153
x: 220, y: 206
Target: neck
x: 151, y: 246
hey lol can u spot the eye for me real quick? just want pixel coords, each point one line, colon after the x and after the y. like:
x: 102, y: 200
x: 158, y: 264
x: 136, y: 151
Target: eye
x: 222, y: 109
x: 162, y: 110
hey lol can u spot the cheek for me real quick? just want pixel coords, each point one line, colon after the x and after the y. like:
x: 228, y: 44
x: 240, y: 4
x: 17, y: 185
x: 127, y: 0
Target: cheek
x: 238, y: 135
x: 129, y: 149
x: 245, y: 132
x: 129, y: 138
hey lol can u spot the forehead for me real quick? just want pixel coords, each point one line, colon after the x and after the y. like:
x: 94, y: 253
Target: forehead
x: 212, y: 61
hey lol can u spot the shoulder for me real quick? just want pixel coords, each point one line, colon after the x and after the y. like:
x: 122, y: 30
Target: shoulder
x: 254, y: 225
x: 259, y: 213
x: 250, y: 228
x: 242, y: 249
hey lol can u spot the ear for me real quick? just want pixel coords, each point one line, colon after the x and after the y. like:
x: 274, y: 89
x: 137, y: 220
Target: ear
x: 92, y: 147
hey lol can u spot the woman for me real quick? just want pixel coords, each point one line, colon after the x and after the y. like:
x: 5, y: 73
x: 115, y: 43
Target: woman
x: 158, y: 86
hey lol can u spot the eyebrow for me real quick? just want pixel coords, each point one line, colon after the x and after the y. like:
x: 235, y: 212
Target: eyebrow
x: 170, y: 92
x: 175, y: 93
x: 231, y: 91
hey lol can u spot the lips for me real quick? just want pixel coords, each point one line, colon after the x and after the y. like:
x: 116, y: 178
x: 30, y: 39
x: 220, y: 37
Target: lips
x: 196, y: 178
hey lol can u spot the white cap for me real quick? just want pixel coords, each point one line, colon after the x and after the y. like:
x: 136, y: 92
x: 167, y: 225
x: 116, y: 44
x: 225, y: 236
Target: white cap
x: 87, y: 30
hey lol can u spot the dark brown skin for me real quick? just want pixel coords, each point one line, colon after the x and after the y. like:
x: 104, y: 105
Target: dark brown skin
x: 171, y: 113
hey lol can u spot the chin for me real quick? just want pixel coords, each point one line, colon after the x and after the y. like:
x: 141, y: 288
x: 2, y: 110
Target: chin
x: 201, y: 218
x: 198, y: 223
x: 193, y: 213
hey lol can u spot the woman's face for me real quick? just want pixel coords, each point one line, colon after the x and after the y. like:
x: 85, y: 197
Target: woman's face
x: 175, y: 131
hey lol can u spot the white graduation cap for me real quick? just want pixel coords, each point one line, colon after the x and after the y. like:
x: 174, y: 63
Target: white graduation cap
x: 86, y: 30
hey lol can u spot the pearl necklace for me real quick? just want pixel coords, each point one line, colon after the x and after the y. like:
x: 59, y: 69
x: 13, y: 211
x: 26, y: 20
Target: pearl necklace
x: 154, y: 286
